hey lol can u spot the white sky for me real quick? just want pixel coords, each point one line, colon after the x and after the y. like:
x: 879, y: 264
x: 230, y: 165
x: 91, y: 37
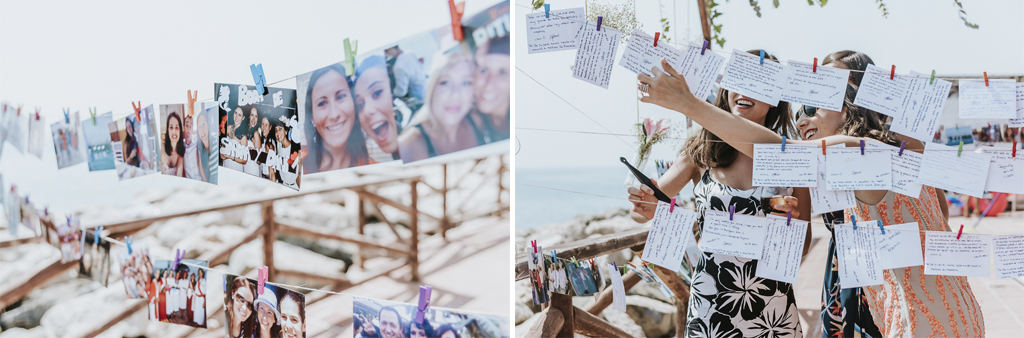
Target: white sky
x: 917, y: 35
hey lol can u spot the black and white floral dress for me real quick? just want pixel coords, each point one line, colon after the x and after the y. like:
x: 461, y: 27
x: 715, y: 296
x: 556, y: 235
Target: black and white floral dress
x: 726, y: 299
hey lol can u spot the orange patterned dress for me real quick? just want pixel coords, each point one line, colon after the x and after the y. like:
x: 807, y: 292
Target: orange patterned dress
x: 910, y: 303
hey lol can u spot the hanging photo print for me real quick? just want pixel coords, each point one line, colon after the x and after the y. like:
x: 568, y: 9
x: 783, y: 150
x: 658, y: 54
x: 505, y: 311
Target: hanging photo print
x: 12, y: 127
x: 204, y: 141
x: 136, y: 271
x: 69, y: 233
x: 97, y: 142
x: 258, y: 133
x: 538, y: 276
x: 278, y: 312
x: 387, y: 319
x: 66, y: 141
x: 95, y: 263
x: 134, y: 144
x: 558, y: 279
x: 178, y: 296
x: 36, y: 135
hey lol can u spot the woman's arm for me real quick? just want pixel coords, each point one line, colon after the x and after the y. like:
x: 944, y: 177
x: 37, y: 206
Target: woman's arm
x: 804, y: 194
x: 671, y: 183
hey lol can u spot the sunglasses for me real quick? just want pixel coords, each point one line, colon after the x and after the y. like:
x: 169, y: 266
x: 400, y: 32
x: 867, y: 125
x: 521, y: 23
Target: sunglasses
x: 806, y: 110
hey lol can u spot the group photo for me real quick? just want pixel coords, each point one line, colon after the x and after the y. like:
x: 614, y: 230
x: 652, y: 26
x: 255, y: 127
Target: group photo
x: 387, y: 319
x: 178, y: 295
x: 277, y: 312
x: 258, y: 134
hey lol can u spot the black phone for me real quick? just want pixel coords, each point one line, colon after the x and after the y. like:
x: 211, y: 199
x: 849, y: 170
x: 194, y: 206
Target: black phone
x: 646, y: 181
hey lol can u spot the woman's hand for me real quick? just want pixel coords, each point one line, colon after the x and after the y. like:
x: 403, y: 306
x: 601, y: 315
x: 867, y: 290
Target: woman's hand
x: 644, y: 202
x: 791, y: 205
x: 666, y: 88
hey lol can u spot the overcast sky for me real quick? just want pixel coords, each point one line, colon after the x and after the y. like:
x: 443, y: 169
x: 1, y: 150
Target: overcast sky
x: 917, y: 35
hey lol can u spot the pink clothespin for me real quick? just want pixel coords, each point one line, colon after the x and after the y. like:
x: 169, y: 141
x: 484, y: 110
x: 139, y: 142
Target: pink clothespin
x: 672, y: 205
x: 961, y: 232
x: 534, y: 244
x: 262, y: 278
x: 421, y: 309
x: 178, y: 255
x: 732, y: 210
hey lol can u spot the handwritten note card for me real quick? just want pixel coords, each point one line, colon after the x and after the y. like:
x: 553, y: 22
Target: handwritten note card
x: 744, y: 74
x: 847, y: 169
x: 700, y: 71
x: 743, y: 236
x: 905, y: 169
x: 783, y: 250
x: 824, y: 200
x: 554, y: 33
x: 641, y: 55
x: 795, y: 167
x: 943, y: 169
x: 900, y: 246
x: 944, y: 254
x: 998, y: 100
x: 1019, y: 120
x: 877, y: 92
x: 922, y: 107
x: 858, y: 255
x: 666, y: 242
x: 618, y: 290
x: 1009, y: 254
x: 825, y: 88
x: 1005, y: 173
x: 596, y: 54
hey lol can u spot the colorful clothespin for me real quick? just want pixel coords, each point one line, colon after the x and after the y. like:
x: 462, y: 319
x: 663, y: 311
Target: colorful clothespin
x: 1014, y: 149
x: 92, y: 113
x: 534, y: 244
x: 783, y: 143
x: 456, y: 10
x: 350, y: 56
x: 128, y: 243
x: 421, y: 309
x: 961, y: 232
x: 37, y: 114
x: 137, y: 111
x: 702, y: 49
x: 892, y: 75
x: 19, y: 111
x: 823, y: 147
x: 97, y: 234
x: 986, y: 78
x: 656, y: 36
x: 862, y: 147
x: 961, y: 149
x: 259, y: 77
x: 789, y: 217
x: 902, y: 145
x: 547, y: 11
x: 762, y: 56
x: 932, y: 80
x: 854, y: 220
x: 599, y: 20
x: 732, y: 210
x: 192, y: 96
x: 880, y: 227
x: 66, y: 119
x: 554, y: 256
x: 815, y: 69
x: 178, y: 255
x: 672, y: 205
x: 261, y: 278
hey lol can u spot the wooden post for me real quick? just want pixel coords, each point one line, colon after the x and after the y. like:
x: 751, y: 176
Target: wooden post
x: 547, y: 325
x: 563, y: 303
x: 591, y: 326
x: 269, y: 236
x: 605, y: 297
x: 705, y: 23
x: 681, y: 290
x: 444, y: 202
x: 362, y: 224
x: 414, y: 242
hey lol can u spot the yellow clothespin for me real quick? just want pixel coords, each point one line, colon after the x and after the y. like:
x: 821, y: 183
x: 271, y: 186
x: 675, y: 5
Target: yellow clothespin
x: 350, y: 53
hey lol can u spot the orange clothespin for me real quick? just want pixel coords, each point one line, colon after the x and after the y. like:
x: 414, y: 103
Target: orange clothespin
x: 137, y: 111
x: 986, y: 78
x: 892, y: 75
x: 815, y: 69
x: 823, y: 147
x: 656, y: 36
x: 192, y: 96
x: 19, y: 111
x: 456, y: 10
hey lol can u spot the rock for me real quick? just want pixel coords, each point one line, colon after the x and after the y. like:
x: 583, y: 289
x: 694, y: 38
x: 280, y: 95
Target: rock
x: 37, y: 302
x: 622, y: 320
x: 37, y: 332
x: 71, y: 316
x: 655, y: 317
x: 525, y: 296
x: 615, y: 224
x: 523, y: 313
x: 28, y: 258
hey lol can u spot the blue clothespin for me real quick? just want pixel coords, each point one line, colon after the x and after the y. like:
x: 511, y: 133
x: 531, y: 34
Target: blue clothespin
x: 97, y: 234
x: 599, y: 19
x: 783, y: 143
x: 732, y: 210
x: 902, y: 145
x: 350, y: 56
x: 762, y: 56
x: 178, y: 255
x: 424, y: 302
x: 881, y: 227
x: 547, y: 11
x: 702, y: 49
x: 854, y: 219
x: 66, y: 119
x: 554, y: 256
x: 616, y: 266
x: 862, y: 147
x: 128, y: 243
x: 259, y: 78
x: 789, y: 217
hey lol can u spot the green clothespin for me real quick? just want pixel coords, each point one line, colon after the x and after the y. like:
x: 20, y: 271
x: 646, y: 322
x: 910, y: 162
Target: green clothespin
x: 350, y: 53
x: 624, y: 270
x: 932, y: 80
x: 92, y: 111
x: 961, y: 148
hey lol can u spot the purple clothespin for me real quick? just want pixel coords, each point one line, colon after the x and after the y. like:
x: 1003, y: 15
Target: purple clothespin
x: 424, y: 302
x: 732, y: 210
x: 902, y: 145
x: 672, y: 205
x: 789, y: 216
x: 702, y: 49
x: 261, y: 279
x: 178, y: 255
x: 862, y: 147
x: 599, y: 19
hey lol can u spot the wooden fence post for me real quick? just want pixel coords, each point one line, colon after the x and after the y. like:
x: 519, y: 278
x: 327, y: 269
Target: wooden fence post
x: 563, y: 303
x: 269, y: 236
x: 444, y: 202
x: 414, y: 242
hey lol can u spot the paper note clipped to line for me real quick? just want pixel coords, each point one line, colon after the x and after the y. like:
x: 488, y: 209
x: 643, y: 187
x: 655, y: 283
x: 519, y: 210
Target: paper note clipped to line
x: 824, y: 200
x: 743, y: 236
x: 667, y: 239
x: 857, y: 252
x: 905, y: 168
x: 1019, y: 120
x: 700, y: 71
x: 944, y: 254
x: 1005, y: 172
x: 640, y: 54
x: 1009, y: 256
x: 783, y: 249
x: 595, y: 55
x: 943, y: 169
x: 997, y: 100
x: 795, y: 167
x: 881, y: 94
x: 618, y: 289
x: 847, y: 169
x: 922, y: 107
x: 824, y: 88
x: 745, y: 75
x: 900, y: 246
x: 555, y: 32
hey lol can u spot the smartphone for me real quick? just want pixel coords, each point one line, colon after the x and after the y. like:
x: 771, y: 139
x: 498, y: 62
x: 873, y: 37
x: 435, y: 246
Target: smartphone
x: 646, y: 181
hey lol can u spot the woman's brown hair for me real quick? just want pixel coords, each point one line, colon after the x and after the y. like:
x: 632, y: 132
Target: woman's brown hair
x: 247, y: 324
x: 863, y: 122
x: 707, y: 150
x: 851, y: 60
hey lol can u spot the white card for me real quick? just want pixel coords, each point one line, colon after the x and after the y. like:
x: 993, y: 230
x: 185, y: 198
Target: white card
x: 1009, y: 254
x: 905, y: 169
x: 618, y: 290
x: 783, y: 250
x: 667, y: 239
x: 595, y: 56
x: 742, y: 237
x: 795, y: 167
x: 1005, y: 172
x: 998, y: 100
x: 922, y: 107
x: 744, y: 74
x: 881, y: 94
x: 944, y: 254
x: 640, y: 54
x: 700, y: 71
x: 824, y: 200
x: 900, y: 246
x: 943, y: 169
x: 1019, y: 120
x: 825, y: 88
x: 847, y: 169
x: 554, y: 33
x: 858, y: 255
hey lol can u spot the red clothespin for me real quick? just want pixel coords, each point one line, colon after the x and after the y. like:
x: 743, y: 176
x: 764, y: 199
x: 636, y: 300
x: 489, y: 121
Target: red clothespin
x: 599, y: 19
x: 534, y: 244
x: 961, y: 232
x: 1014, y: 149
x: 783, y: 143
x: 672, y: 205
x: 892, y: 75
x: 424, y: 302
x: 137, y: 109
x: 178, y: 255
x: 815, y: 69
x: 902, y: 145
x: 702, y: 49
x: 456, y: 10
x: 789, y: 217
x: 986, y: 78
x: 732, y: 210
x: 823, y: 147
x: 19, y: 111
x: 862, y: 147
x: 656, y: 36
x: 192, y: 96
x: 37, y: 114
x: 262, y: 278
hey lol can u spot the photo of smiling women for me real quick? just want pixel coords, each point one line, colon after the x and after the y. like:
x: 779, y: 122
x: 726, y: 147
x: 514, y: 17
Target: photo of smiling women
x: 246, y: 135
x: 172, y: 136
x: 376, y: 108
x: 334, y: 136
x: 388, y: 319
x: 492, y: 90
x: 239, y: 307
x: 443, y: 124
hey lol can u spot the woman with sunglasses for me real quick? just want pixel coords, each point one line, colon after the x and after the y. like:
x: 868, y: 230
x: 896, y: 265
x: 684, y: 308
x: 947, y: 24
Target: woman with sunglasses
x: 908, y: 303
x: 727, y: 298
